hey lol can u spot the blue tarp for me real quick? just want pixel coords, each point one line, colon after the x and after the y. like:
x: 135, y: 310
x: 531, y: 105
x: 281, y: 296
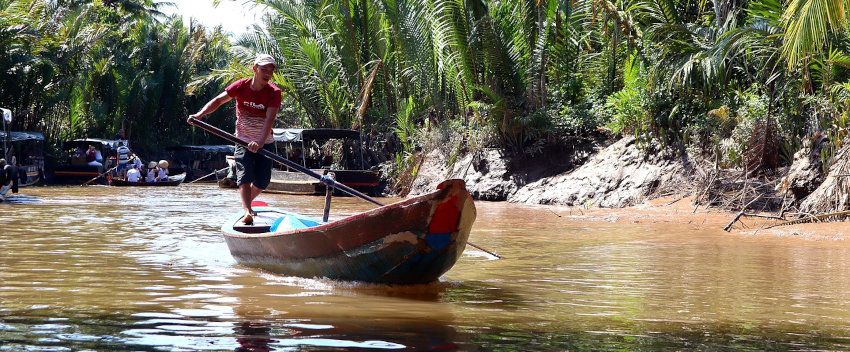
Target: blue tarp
x: 289, y: 223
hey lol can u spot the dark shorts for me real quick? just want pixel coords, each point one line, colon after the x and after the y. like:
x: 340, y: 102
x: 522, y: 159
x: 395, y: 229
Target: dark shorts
x: 252, y: 167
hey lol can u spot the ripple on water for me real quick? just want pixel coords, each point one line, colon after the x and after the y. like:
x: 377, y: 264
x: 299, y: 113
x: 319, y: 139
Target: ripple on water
x: 147, y: 269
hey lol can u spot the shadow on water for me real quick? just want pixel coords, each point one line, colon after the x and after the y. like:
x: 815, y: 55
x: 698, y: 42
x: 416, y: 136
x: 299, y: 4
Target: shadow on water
x: 19, y: 200
x: 261, y: 335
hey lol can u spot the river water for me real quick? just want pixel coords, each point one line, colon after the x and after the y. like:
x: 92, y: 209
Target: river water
x: 114, y: 269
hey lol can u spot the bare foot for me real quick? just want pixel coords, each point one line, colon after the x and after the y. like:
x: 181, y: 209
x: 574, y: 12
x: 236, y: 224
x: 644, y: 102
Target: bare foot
x: 248, y: 219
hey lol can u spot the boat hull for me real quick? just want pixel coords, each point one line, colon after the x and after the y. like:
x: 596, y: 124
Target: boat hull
x: 175, y: 180
x: 414, y: 241
x: 292, y: 182
x: 68, y: 174
x: 33, y: 176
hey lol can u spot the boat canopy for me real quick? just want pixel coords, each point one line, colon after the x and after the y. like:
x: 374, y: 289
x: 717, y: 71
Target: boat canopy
x: 22, y: 136
x: 298, y: 134
x: 84, y: 143
x: 225, y: 149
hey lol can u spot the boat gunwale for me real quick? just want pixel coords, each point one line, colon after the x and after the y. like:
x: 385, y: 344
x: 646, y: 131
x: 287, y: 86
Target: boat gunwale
x: 228, y: 230
x: 175, y: 182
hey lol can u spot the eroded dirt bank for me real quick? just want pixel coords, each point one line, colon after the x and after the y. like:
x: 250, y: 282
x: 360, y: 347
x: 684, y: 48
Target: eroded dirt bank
x: 618, y: 175
x: 622, y: 181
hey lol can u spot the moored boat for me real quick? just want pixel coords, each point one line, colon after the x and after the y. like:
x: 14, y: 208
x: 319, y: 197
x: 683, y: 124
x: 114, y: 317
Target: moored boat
x: 409, y: 242
x: 74, y: 169
x: 173, y: 180
x: 228, y: 180
x: 202, y: 163
x: 321, y: 149
x: 24, y: 151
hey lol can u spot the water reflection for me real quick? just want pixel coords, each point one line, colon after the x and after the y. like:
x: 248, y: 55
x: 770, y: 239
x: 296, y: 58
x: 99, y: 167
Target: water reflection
x: 253, y: 337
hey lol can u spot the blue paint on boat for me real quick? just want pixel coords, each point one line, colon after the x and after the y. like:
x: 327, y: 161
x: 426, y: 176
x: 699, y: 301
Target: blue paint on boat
x: 438, y: 240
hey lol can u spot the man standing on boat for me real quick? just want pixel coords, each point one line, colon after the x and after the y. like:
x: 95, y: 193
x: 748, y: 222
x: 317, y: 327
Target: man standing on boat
x: 257, y: 103
x: 123, y: 160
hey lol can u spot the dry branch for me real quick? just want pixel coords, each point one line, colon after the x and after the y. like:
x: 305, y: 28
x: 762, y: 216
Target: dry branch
x: 812, y: 218
x: 741, y: 213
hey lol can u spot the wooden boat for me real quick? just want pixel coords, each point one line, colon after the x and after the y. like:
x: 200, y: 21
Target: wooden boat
x: 75, y: 170
x: 414, y: 241
x: 199, y: 161
x: 294, y: 182
x: 322, y: 149
x: 228, y: 180
x: 24, y: 151
x: 173, y: 180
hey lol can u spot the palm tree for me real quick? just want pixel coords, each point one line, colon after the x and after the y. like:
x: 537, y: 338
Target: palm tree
x: 807, y: 26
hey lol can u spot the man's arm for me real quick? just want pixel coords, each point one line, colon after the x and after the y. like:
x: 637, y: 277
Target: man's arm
x: 271, y: 113
x: 211, y: 106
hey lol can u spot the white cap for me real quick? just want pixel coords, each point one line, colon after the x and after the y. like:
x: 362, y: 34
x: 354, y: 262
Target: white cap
x: 264, y: 59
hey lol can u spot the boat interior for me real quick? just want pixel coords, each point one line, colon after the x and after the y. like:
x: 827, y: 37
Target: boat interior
x: 275, y: 221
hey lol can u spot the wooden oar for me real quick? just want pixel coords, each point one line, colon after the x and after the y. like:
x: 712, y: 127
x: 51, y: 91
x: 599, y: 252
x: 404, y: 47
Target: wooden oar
x: 218, y: 132
x: 327, y: 181
x: 208, y: 175
x: 99, y: 176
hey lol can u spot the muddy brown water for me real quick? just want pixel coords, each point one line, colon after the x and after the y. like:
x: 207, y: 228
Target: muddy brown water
x: 115, y: 269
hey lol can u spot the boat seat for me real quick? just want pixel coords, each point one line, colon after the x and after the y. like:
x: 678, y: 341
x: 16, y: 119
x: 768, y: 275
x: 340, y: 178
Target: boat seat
x: 262, y: 223
x: 252, y: 228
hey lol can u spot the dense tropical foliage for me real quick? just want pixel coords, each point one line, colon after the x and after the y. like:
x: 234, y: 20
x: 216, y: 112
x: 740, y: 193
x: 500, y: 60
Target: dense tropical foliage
x: 740, y: 81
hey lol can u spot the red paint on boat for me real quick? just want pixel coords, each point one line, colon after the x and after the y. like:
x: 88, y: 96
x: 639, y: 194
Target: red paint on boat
x: 445, y: 217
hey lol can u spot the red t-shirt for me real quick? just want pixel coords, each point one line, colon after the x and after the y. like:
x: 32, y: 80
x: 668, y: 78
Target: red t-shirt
x: 251, y: 108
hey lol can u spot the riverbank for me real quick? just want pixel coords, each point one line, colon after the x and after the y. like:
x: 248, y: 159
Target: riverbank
x: 682, y: 211
x: 626, y: 181
x: 589, y: 174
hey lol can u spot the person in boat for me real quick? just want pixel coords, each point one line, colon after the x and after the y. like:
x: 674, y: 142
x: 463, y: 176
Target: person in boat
x: 19, y: 170
x: 137, y: 162
x: 151, y: 174
x: 327, y: 159
x: 91, y: 157
x: 7, y: 179
x: 162, y: 173
x: 6, y: 173
x: 79, y: 154
x: 120, y: 135
x: 123, y: 159
x: 133, y: 175
x: 257, y: 103
x: 297, y: 156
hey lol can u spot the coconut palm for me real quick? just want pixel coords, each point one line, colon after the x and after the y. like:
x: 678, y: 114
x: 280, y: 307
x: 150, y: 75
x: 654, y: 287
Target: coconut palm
x: 808, y: 24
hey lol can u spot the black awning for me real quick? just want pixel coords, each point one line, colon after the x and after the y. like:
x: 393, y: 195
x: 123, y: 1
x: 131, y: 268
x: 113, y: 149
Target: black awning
x: 224, y: 149
x: 85, y: 142
x: 297, y: 135
x: 22, y: 136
